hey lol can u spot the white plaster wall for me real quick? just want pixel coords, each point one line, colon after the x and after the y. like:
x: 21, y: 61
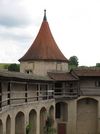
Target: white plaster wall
x: 42, y: 67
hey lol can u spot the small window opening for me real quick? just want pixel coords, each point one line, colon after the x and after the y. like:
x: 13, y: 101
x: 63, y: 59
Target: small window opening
x: 97, y: 83
x: 28, y: 71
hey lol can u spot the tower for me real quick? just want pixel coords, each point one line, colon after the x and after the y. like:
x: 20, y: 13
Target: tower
x: 44, y: 55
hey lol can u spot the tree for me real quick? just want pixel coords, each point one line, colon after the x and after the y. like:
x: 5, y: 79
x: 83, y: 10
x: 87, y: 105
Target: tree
x: 97, y: 64
x: 6, y: 66
x: 73, y: 60
x: 14, y: 67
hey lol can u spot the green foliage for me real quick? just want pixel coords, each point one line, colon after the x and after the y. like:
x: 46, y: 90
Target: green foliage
x: 73, y: 61
x: 48, y: 129
x: 97, y: 64
x: 71, y: 67
x: 14, y: 67
x: 28, y: 128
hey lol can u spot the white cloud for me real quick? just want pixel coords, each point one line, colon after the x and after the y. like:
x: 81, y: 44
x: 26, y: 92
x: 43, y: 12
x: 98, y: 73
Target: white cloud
x: 75, y: 26
x: 10, y: 51
x: 13, y: 13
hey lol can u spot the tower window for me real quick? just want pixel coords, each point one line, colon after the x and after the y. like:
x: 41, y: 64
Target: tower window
x: 28, y: 71
x: 58, y: 66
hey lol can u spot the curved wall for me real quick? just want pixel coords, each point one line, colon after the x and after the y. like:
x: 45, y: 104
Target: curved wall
x: 19, y: 117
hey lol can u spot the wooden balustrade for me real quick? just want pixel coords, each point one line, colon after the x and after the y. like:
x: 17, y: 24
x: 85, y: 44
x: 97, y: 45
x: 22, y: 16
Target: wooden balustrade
x: 65, y: 94
x: 91, y: 91
x: 19, y: 97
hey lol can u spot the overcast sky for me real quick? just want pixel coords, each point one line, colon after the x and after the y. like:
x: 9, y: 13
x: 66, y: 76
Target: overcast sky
x: 75, y: 25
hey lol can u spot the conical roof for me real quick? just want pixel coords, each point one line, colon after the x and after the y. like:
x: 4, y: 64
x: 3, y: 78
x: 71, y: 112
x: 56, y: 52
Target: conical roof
x: 44, y: 46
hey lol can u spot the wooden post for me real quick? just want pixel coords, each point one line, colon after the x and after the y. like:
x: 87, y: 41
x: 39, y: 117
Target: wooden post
x: 26, y: 87
x: 38, y: 91
x: 78, y: 89
x: 0, y: 96
x: 9, y: 88
x: 47, y: 94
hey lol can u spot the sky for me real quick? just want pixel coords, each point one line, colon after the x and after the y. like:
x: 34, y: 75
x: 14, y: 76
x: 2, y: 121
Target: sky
x: 75, y: 25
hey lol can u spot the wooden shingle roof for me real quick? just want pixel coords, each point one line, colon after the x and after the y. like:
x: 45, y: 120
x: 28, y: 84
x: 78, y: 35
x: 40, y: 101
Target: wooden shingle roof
x: 22, y: 76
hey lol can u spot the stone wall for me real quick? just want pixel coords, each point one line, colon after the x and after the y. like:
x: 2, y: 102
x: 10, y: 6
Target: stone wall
x: 83, y: 115
x: 42, y: 67
x: 21, y: 114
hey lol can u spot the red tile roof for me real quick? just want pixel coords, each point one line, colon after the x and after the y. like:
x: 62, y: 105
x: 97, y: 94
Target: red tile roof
x: 88, y: 72
x: 58, y: 76
x: 44, y: 46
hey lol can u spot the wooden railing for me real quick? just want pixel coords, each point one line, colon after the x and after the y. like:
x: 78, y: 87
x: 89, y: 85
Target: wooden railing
x: 67, y: 95
x: 91, y: 91
x: 19, y: 97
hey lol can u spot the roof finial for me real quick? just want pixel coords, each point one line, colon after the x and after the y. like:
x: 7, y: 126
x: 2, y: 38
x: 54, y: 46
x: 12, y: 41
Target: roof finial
x: 45, y: 18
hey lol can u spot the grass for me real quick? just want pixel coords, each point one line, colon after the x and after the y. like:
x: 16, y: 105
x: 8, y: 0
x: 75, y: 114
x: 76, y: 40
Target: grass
x: 4, y: 65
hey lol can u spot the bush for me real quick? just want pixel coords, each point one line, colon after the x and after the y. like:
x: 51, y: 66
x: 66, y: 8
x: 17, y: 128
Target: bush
x: 14, y: 67
x: 48, y: 129
x: 28, y: 128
